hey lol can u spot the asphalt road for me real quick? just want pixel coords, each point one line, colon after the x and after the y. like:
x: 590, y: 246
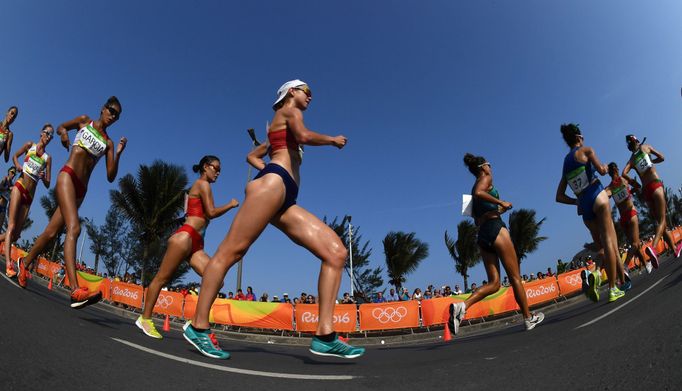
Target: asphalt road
x: 632, y: 344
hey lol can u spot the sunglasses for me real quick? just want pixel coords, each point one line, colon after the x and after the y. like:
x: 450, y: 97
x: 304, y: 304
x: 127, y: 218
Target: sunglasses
x: 305, y: 90
x: 48, y: 134
x: 112, y: 111
x: 485, y: 164
x: 217, y: 169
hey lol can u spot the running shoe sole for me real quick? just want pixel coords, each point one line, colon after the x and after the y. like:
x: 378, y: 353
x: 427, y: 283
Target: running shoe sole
x: 201, y: 350
x: 530, y: 326
x: 335, y: 355
x: 453, y: 320
x: 89, y: 301
x: 593, y: 290
x: 679, y: 250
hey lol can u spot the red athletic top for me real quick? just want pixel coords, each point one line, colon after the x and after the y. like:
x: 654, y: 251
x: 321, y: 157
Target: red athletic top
x: 280, y: 139
x: 195, y: 207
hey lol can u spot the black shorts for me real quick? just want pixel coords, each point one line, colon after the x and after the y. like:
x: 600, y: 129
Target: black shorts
x: 487, y: 233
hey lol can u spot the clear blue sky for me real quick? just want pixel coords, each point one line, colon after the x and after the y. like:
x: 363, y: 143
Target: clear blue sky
x: 413, y: 85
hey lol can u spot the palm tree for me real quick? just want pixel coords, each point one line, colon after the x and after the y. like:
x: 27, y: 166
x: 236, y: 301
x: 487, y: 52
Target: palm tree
x: 524, y: 231
x: 464, y: 251
x: 98, y: 240
x: 152, y: 203
x: 403, y: 253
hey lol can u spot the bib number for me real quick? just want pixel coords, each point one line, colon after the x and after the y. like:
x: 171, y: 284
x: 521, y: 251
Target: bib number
x: 577, y: 180
x: 642, y: 162
x: 620, y: 194
x: 92, y: 141
x: 33, y: 166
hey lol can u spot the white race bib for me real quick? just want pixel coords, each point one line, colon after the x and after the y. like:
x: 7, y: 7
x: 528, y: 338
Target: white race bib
x: 620, y: 194
x: 92, y: 141
x: 33, y: 165
x: 577, y: 180
x: 642, y: 162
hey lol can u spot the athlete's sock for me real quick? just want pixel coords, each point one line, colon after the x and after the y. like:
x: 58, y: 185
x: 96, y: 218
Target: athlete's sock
x: 327, y: 337
x: 198, y: 329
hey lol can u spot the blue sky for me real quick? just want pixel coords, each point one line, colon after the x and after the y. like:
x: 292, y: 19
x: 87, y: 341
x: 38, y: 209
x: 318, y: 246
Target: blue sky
x: 413, y: 85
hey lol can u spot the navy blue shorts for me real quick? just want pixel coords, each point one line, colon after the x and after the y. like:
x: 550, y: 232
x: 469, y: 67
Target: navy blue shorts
x: 290, y: 186
x: 586, y: 200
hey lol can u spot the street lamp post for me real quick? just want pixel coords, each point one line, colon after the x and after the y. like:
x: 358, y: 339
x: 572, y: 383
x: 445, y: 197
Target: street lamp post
x: 350, y: 252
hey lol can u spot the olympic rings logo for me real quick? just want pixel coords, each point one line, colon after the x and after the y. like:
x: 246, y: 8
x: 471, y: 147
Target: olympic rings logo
x: 573, y: 280
x: 164, y: 301
x: 390, y: 314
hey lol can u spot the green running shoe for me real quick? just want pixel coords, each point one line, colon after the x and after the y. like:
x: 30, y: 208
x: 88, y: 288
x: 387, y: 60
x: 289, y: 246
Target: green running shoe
x: 336, y: 348
x: 615, y: 294
x: 594, y: 281
x: 202, y: 341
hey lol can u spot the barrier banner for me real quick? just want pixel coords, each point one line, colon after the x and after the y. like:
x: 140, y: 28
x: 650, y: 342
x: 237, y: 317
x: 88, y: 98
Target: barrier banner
x: 540, y: 291
x: 307, y: 315
x: 276, y: 316
x: 105, y: 288
x: 168, y: 303
x: 47, y: 268
x: 676, y: 235
x: 190, y: 306
x: 570, y: 282
x: 435, y: 311
x: 393, y: 315
x: 129, y: 294
x: 15, y: 253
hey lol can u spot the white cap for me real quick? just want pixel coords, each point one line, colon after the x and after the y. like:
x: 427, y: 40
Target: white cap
x: 282, y: 92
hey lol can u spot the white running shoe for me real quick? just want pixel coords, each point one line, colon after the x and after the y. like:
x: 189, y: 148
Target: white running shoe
x: 648, y: 267
x: 534, y: 320
x: 457, y: 312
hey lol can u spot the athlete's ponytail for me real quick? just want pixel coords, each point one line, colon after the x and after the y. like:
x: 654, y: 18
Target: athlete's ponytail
x: 570, y: 132
x: 204, y: 160
x: 473, y: 163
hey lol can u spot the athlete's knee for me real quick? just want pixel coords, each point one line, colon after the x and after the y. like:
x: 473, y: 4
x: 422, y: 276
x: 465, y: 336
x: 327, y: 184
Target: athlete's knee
x: 73, y: 229
x: 337, y: 256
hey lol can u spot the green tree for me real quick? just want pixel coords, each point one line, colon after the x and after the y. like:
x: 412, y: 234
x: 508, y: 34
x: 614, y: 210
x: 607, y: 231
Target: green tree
x: 403, y: 253
x: 524, y: 230
x: 465, y: 250
x: 152, y: 202
x: 365, y: 279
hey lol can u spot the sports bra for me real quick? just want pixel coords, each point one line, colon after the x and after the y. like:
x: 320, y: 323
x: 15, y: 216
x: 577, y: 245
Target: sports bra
x: 619, y: 191
x: 482, y: 207
x: 642, y: 161
x: 281, y: 139
x: 34, y: 164
x: 194, y: 207
x: 92, y: 140
x: 578, y: 175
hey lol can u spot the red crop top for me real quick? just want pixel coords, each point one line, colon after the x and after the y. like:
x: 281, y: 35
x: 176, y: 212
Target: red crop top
x: 280, y: 139
x: 195, y: 207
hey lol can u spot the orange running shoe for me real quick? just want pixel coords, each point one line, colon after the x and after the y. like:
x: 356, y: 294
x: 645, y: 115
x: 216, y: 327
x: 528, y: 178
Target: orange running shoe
x: 21, y: 279
x: 81, y: 297
x: 9, y: 269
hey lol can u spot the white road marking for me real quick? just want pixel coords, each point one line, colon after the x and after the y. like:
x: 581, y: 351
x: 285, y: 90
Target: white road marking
x: 236, y: 370
x: 10, y: 280
x: 622, y: 305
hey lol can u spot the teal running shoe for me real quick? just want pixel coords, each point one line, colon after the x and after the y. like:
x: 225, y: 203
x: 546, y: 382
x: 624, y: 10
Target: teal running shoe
x: 204, y: 344
x: 336, y: 348
x: 594, y: 281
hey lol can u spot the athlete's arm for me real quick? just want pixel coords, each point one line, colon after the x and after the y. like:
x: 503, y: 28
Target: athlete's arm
x: 659, y: 156
x: 210, y: 210
x: 627, y: 169
x: 20, y: 152
x: 255, y: 157
x: 8, y: 145
x: 70, y: 125
x: 114, y: 157
x: 481, y: 192
x: 47, y: 173
x: 602, y: 169
x: 561, y: 196
x: 303, y: 135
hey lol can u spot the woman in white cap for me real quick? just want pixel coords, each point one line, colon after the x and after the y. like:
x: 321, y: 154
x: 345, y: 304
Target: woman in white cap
x: 652, y: 190
x: 271, y: 198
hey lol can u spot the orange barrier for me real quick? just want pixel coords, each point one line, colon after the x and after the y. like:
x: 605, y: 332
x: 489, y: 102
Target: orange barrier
x: 393, y: 315
x: 168, y: 303
x: 435, y: 311
x: 541, y: 291
x: 345, y: 317
x: 276, y: 316
x: 47, y: 268
x: 570, y: 282
x: 190, y: 306
x: 129, y: 294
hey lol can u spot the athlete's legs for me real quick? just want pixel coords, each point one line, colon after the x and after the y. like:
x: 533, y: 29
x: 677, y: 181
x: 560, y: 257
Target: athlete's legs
x: 492, y: 271
x: 264, y: 197
x: 505, y: 248
x: 68, y: 205
x: 310, y: 232
x: 15, y: 207
x: 594, y: 226
x: 53, y: 227
x: 657, y: 207
x: 607, y: 233
x: 179, y: 247
x: 632, y: 233
x: 199, y: 261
